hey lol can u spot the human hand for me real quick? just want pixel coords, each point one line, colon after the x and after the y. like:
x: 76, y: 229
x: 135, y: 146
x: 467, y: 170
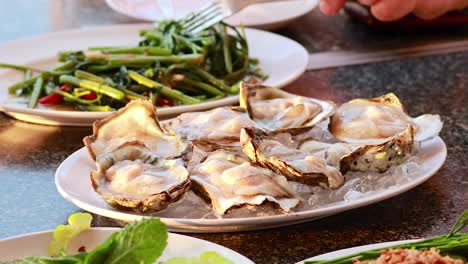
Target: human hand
x: 390, y: 10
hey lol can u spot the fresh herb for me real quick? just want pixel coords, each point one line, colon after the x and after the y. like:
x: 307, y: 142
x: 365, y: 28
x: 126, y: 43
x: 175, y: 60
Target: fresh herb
x: 139, y: 242
x: 455, y: 244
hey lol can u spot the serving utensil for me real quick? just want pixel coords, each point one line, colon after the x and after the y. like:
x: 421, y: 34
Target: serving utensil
x: 215, y: 12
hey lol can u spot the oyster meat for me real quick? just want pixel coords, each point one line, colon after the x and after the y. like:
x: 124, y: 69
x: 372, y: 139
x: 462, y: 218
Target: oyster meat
x: 376, y: 120
x: 228, y: 179
x: 135, y: 122
x: 221, y: 125
x: 133, y: 177
x: 293, y: 163
x: 274, y: 109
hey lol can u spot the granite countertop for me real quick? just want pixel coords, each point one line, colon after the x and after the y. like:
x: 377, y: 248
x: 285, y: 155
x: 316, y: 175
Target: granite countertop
x: 30, y: 154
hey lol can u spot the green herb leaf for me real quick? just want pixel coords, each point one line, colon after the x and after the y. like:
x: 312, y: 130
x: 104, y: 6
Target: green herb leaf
x: 209, y: 257
x: 140, y: 242
x: 462, y: 221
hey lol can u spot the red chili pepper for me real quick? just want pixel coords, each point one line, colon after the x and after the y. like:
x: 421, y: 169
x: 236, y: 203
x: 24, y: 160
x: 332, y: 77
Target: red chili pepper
x: 90, y: 96
x: 64, y: 88
x: 51, y: 99
x: 54, y: 98
x: 164, y: 101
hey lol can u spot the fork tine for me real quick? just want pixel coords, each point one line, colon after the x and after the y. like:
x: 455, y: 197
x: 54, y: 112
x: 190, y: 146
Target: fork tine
x: 205, y: 11
x: 192, y: 15
x: 202, y: 21
x: 207, y: 24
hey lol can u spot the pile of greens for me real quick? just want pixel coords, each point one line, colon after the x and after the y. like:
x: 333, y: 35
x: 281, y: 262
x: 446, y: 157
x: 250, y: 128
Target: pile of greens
x: 140, y: 242
x: 168, y: 67
x: 454, y: 244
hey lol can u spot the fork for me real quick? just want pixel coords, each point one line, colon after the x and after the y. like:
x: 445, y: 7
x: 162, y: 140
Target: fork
x: 216, y: 11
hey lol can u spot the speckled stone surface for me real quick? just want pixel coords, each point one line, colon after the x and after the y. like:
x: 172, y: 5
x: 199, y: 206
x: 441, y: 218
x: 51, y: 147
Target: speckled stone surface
x: 30, y: 154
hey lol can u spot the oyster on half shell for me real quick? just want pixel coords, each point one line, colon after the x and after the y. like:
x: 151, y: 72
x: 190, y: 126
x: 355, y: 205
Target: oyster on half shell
x: 134, y: 177
x: 221, y: 125
x: 293, y: 163
x: 376, y: 120
x: 135, y: 122
x: 273, y: 109
x: 228, y: 179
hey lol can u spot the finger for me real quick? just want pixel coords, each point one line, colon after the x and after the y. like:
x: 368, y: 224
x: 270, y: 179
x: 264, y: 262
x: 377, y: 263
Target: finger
x: 368, y: 2
x: 331, y: 7
x: 390, y: 10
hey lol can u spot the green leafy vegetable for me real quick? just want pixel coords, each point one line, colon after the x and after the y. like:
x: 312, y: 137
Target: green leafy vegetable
x: 140, y: 242
x: 455, y: 244
x: 184, y: 66
x: 209, y: 257
x: 77, y: 223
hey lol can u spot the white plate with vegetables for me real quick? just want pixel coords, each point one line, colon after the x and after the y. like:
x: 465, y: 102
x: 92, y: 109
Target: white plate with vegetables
x: 149, y: 241
x: 91, y: 78
x: 268, y: 16
x: 440, y: 249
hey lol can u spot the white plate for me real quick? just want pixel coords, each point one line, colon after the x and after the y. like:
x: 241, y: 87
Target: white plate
x: 354, y: 250
x: 267, y: 16
x: 283, y: 59
x: 73, y: 183
x: 35, y: 244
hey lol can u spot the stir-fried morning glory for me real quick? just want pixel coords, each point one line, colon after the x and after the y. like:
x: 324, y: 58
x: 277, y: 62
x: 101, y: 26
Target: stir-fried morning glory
x: 168, y: 67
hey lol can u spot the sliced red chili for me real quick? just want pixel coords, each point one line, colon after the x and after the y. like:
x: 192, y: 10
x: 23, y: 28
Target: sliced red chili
x: 64, y: 88
x: 51, y: 99
x: 163, y: 101
x: 90, y: 96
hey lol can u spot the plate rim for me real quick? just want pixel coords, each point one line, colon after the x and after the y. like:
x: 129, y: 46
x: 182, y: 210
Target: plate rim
x: 356, y: 249
x: 163, y: 112
x: 310, y: 5
x: 246, y: 221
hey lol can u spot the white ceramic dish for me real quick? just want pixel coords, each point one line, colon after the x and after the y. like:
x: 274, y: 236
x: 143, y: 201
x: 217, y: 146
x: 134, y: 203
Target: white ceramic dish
x: 35, y: 244
x: 354, y: 250
x: 267, y: 16
x: 283, y: 59
x: 73, y: 182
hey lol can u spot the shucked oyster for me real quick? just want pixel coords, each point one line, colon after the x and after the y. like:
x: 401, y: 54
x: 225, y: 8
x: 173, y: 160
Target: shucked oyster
x: 135, y: 122
x: 133, y: 177
x: 228, y: 179
x: 221, y: 125
x: 293, y: 163
x: 376, y: 120
x: 273, y: 109
x: 318, y: 163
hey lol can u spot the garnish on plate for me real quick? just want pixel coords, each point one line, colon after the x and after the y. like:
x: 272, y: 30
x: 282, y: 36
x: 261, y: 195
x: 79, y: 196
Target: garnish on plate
x: 140, y: 242
x: 449, y: 248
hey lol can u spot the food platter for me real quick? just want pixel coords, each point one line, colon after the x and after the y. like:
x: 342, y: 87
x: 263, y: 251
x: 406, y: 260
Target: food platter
x: 73, y: 183
x: 35, y: 244
x: 353, y: 250
x: 25, y: 51
x: 265, y: 15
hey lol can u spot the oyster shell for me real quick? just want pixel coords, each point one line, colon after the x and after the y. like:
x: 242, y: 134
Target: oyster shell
x: 362, y: 157
x: 221, y: 125
x: 293, y: 163
x: 135, y: 178
x: 376, y: 120
x: 228, y: 179
x: 135, y: 122
x: 273, y: 109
